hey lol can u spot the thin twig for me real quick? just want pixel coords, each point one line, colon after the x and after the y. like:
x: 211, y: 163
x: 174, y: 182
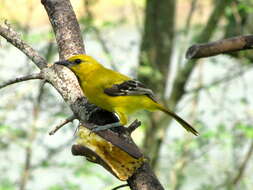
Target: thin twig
x: 243, y: 166
x: 56, y: 128
x: 133, y: 126
x: 21, y: 79
x: 120, y: 186
x: 13, y: 37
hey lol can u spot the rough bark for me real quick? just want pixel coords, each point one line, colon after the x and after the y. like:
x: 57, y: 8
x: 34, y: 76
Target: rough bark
x: 144, y: 179
x: 65, y: 26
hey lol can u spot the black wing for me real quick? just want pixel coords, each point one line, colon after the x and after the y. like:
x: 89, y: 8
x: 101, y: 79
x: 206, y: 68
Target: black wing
x: 128, y: 88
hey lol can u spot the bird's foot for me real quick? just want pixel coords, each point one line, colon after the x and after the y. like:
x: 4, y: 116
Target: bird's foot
x: 104, y: 127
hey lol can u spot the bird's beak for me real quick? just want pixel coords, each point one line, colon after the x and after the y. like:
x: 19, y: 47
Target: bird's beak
x: 64, y: 62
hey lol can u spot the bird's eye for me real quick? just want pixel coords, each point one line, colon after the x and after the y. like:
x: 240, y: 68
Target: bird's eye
x: 77, y: 61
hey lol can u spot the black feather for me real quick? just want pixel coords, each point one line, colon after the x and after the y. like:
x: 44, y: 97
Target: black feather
x: 128, y: 88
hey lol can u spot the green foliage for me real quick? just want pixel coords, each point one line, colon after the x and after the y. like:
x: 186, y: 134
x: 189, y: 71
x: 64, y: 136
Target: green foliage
x: 223, y: 132
x: 113, y: 24
x: 86, y: 169
x: 83, y: 169
x: 246, y: 129
x: 56, y: 187
x: 209, y: 134
x: 5, y: 184
x: 17, y: 132
x: 245, y: 5
x: 206, y: 187
x: 68, y: 185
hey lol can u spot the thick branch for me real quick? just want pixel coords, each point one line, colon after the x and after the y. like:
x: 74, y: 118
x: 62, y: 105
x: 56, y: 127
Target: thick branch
x: 66, y: 27
x: 144, y: 179
x: 21, y: 79
x: 222, y: 46
x: 13, y: 37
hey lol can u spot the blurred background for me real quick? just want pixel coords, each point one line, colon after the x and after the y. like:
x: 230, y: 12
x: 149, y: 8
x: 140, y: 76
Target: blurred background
x: 146, y: 40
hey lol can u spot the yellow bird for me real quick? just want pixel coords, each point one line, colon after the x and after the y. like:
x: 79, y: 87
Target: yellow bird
x: 114, y: 91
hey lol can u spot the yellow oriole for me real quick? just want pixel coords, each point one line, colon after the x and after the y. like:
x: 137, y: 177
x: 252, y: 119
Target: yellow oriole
x: 114, y: 91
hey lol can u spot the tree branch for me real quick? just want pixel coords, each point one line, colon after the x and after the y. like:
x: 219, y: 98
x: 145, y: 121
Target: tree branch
x: 21, y: 79
x: 60, y: 125
x: 13, y: 37
x: 144, y: 179
x: 228, y: 45
x: 66, y: 27
x: 243, y: 165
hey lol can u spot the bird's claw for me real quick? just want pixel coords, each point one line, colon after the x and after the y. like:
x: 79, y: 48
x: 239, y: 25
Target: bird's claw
x: 105, y: 127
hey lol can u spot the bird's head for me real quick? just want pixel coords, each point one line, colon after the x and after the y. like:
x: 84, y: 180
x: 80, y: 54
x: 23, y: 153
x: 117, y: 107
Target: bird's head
x: 78, y: 62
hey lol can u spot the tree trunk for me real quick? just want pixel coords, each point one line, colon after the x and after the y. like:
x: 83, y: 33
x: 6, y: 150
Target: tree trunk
x: 156, y: 43
x: 156, y: 133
